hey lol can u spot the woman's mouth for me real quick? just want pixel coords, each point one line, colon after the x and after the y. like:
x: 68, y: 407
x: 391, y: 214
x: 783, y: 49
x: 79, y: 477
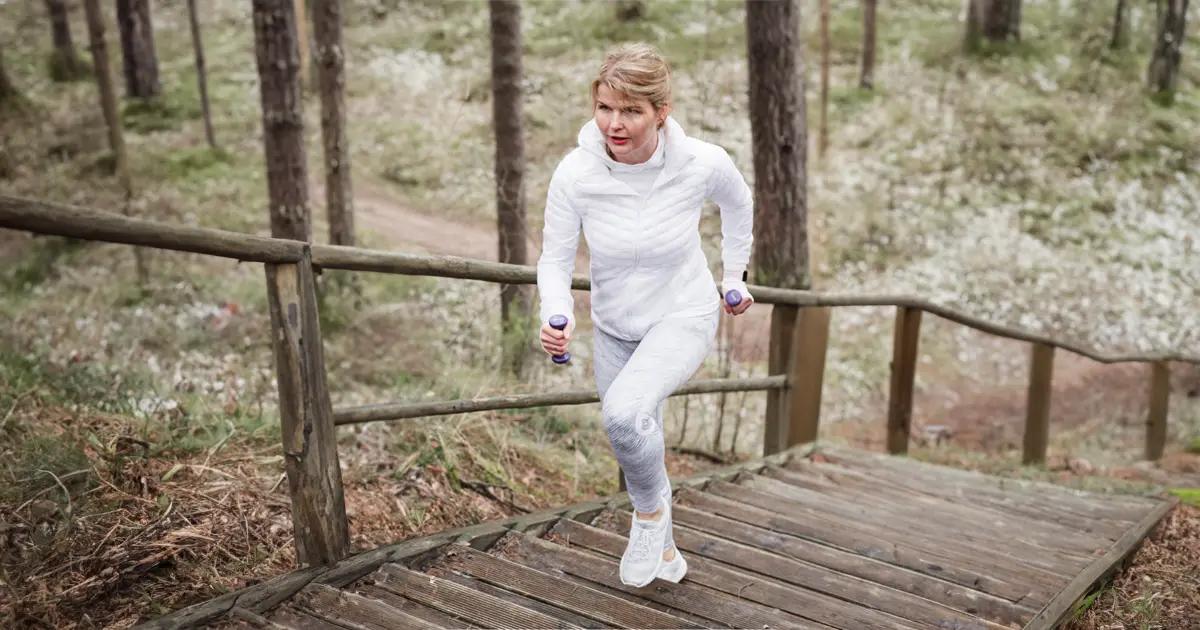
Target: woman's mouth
x: 617, y: 140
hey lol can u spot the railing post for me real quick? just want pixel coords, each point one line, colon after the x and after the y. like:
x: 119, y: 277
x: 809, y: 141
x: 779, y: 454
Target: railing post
x: 806, y: 375
x: 306, y: 415
x: 1156, y: 419
x: 775, y: 425
x: 905, y: 339
x: 1037, y: 411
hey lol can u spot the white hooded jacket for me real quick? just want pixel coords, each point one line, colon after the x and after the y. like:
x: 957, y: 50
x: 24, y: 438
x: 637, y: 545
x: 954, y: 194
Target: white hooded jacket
x: 646, y: 258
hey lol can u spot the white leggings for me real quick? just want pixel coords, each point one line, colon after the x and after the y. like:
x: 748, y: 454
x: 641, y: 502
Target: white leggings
x: 634, y: 379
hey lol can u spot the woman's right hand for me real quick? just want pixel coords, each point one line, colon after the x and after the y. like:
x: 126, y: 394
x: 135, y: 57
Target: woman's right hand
x: 555, y: 341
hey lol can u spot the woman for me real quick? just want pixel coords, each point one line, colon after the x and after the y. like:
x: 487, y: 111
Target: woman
x: 635, y: 186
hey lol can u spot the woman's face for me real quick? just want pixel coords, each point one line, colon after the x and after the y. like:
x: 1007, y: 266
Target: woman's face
x: 630, y: 127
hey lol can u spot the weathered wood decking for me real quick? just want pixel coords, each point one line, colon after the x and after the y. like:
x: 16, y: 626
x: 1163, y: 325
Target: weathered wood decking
x: 826, y: 538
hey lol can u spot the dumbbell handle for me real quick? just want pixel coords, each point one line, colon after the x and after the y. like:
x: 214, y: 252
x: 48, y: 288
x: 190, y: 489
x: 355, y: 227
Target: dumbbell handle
x: 559, y: 322
x: 733, y: 297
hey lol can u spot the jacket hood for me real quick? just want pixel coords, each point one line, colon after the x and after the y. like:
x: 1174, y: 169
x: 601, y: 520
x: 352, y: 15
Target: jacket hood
x: 677, y: 148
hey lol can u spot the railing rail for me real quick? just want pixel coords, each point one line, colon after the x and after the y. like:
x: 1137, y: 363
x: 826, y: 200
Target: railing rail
x: 798, y: 340
x: 402, y: 411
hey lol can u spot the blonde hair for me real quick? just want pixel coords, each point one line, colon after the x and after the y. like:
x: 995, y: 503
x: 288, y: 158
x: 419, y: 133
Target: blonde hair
x: 635, y: 71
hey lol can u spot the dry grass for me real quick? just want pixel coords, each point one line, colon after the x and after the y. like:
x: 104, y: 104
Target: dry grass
x: 1160, y: 589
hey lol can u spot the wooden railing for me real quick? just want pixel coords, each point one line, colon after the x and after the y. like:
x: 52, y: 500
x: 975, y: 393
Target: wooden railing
x: 796, y: 362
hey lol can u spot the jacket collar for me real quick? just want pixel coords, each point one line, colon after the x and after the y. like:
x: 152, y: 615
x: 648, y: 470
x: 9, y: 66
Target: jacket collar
x: 678, y: 150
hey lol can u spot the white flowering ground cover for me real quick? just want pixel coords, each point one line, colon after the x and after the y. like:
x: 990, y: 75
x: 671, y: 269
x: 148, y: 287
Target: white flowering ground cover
x: 1039, y: 188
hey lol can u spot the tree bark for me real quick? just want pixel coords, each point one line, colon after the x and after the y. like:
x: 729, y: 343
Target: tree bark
x: 780, y: 144
x: 302, y: 41
x: 331, y: 74
x: 112, y: 117
x: 283, y: 118
x: 1164, y: 62
x: 201, y: 73
x: 507, y: 116
x: 65, y: 62
x: 823, y: 142
x: 137, y: 49
x: 1120, y: 32
x: 997, y: 21
x: 867, y: 79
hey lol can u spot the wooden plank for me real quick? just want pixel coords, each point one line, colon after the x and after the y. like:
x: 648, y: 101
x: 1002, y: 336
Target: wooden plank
x: 933, y: 560
x: 845, y: 551
x: 352, y: 610
x: 843, y: 590
x: 930, y: 534
x: 478, y: 608
x: 1043, y: 533
x: 292, y: 617
x: 1156, y: 418
x: 255, y: 620
x: 1028, y: 505
x: 541, y: 586
x: 1057, y: 609
x: 1037, y: 404
x: 806, y: 375
x: 551, y: 564
x: 775, y: 425
x: 1112, y: 507
x: 309, y: 438
x: 810, y: 605
x: 526, y: 602
x: 905, y: 338
x: 983, y: 532
x: 435, y: 617
x: 698, y: 600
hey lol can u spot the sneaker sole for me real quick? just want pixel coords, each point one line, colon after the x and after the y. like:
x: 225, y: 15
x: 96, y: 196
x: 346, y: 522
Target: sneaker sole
x: 658, y: 569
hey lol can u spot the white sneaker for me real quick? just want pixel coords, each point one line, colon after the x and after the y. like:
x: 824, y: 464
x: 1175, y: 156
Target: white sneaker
x: 674, y: 570
x: 643, y: 557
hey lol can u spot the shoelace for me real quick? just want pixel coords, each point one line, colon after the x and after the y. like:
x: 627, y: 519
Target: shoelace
x: 641, y: 544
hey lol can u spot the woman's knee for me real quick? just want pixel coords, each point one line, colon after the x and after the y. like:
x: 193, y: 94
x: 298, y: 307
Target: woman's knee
x: 628, y: 420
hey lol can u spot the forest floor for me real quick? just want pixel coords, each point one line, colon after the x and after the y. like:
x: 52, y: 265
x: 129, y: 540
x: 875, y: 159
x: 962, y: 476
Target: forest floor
x: 139, y: 462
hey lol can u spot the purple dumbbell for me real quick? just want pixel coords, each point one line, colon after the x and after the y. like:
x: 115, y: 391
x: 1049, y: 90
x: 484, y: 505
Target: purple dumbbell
x: 559, y: 322
x: 733, y: 297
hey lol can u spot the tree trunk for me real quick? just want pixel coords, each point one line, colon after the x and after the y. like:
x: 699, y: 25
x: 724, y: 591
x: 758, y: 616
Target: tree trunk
x: 201, y: 73
x: 823, y: 142
x: 507, y: 115
x: 780, y: 143
x: 112, y: 117
x: 302, y: 41
x: 997, y: 21
x: 282, y: 118
x: 331, y: 74
x: 1164, y: 62
x: 867, y: 79
x: 65, y: 62
x: 137, y: 49
x: 1120, y: 32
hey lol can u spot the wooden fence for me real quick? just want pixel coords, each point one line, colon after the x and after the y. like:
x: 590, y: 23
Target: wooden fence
x: 796, y: 361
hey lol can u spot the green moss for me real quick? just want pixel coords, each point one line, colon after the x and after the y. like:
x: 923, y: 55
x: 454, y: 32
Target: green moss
x: 1190, y: 496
